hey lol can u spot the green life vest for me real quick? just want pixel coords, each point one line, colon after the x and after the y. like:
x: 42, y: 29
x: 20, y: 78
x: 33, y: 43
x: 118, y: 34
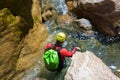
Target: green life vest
x: 51, y: 59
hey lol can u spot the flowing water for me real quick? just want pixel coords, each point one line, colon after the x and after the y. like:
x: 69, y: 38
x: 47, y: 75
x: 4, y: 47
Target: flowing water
x: 105, y: 47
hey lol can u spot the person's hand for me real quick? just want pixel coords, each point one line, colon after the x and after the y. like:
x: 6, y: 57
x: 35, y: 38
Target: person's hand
x: 78, y: 48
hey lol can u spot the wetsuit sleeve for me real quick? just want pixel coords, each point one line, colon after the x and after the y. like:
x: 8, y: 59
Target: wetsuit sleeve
x: 48, y: 46
x: 67, y: 53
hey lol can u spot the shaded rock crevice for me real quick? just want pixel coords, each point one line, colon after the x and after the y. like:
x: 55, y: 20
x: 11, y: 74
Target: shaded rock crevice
x: 20, y: 8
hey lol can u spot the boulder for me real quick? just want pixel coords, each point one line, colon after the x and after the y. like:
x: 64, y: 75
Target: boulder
x: 86, y: 66
x: 102, y: 13
x: 49, y: 12
x: 64, y: 19
x: 85, y: 25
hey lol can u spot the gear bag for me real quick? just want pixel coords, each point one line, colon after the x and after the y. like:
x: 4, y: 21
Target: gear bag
x: 52, y: 58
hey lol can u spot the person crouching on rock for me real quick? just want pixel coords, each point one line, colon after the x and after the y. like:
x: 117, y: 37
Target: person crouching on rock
x: 63, y: 52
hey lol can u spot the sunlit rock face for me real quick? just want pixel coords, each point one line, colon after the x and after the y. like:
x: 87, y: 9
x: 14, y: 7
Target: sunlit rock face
x: 86, y: 66
x: 101, y: 13
x: 10, y: 33
x: 33, y: 44
x: 19, y: 50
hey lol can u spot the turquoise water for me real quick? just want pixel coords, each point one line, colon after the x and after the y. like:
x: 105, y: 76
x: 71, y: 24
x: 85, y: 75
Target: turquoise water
x: 105, y: 47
